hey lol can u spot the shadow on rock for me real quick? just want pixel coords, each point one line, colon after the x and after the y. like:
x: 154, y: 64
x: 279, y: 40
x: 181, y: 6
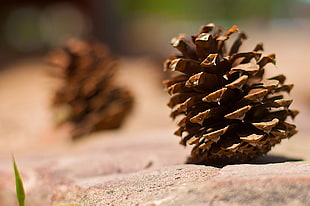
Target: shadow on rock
x: 266, y: 159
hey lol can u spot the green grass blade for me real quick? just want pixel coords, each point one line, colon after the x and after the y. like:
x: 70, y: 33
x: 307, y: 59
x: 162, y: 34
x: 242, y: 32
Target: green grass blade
x: 20, y: 192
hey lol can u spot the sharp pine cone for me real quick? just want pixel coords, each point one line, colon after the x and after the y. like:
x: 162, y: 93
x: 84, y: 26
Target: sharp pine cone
x: 95, y: 101
x: 229, y: 112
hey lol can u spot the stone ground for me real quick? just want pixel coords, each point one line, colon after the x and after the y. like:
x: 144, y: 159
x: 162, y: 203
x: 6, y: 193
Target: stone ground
x: 142, y: 163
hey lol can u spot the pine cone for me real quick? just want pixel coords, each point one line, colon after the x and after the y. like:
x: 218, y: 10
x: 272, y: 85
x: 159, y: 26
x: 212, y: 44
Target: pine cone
x: 230, y: 113
x: 94, y: 100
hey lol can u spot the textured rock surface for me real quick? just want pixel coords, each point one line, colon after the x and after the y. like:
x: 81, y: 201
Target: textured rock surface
x: 148, y: 170
x: 266, y: 184
x: 273, y: 184
x: 51, y: 183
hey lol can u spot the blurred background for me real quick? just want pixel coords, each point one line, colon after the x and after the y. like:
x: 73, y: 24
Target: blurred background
x: 138, y: 32
x: 135, y: 27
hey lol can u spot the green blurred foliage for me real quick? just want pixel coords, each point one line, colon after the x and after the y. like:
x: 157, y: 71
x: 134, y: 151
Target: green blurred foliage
x: 208, y: 9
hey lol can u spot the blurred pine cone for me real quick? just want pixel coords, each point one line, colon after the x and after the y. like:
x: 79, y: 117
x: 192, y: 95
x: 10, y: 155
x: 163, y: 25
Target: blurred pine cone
x: 230, y: 112
x: 91, y: 98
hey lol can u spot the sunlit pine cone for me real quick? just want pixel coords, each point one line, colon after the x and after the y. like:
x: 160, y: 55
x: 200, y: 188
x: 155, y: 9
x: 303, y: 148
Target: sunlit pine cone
x: 230, y: 112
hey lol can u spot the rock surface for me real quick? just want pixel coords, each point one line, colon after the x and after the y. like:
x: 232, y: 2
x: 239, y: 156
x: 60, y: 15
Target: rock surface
x: 196, y: 185
x: 149, y: 170
x: 90, y: 181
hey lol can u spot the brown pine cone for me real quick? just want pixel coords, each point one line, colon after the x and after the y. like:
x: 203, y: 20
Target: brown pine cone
x: 230, y: 112
x: 92, y: 99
